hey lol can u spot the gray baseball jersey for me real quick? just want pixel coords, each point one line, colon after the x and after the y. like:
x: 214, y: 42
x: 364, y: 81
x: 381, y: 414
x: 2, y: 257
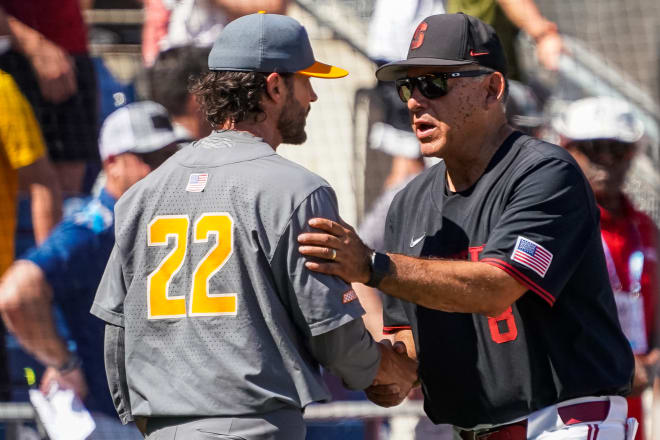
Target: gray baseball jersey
x: 207, y: 282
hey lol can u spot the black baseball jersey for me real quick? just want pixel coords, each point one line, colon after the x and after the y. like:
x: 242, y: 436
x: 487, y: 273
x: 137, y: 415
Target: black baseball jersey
x: 531, y: 214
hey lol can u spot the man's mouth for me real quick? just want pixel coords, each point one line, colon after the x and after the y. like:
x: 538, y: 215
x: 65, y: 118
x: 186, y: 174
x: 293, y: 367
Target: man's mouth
x: 423, y: 129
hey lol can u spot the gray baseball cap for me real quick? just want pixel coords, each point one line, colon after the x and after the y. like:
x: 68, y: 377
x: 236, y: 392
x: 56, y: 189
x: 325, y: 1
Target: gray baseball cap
x: 268, y: 43
x: 139, y: 127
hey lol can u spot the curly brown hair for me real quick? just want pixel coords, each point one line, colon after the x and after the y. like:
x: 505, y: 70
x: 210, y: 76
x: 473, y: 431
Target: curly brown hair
x: 228, y: 96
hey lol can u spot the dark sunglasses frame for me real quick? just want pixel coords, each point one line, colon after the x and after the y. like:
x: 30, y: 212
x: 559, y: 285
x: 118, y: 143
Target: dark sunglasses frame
x: 618, y: 149
x: 431, y: 85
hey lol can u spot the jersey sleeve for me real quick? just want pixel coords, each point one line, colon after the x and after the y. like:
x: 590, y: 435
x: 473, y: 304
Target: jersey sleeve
x: 109, y: 301
x: 544, y: 229
x: 348, y: 352
x: 20, y: 133
x: 318, y: 303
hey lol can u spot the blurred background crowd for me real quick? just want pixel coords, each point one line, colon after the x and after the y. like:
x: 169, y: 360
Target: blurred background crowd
x: 66, y: 66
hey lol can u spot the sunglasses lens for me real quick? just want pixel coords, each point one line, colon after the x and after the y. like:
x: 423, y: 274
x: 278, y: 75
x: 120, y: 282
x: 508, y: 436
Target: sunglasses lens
x: 433, y: 87
x: 404, y: 88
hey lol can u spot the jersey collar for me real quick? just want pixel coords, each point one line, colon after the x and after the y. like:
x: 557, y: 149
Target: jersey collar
x: 224, y: 147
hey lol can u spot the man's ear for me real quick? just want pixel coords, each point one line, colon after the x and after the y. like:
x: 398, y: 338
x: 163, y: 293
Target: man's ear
x: 495, y: 88
x: 276, y: 88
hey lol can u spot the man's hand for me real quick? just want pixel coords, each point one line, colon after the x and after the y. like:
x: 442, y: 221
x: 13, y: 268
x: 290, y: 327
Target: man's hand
x: 345, y: 254
x: 52, y: 65
x: 55, y: 72
x: 645, y: 367
x: 396, y: 376
x: 548, y: 50
x: 73, y: 380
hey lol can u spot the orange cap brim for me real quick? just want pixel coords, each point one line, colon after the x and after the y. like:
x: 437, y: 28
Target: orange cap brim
x: 320, y: 70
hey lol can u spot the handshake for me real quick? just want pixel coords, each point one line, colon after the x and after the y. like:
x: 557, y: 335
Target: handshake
x: 397, y: 373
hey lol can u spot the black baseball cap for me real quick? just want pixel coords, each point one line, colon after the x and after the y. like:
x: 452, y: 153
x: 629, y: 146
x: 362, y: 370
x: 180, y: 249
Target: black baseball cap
x: 449, y: 40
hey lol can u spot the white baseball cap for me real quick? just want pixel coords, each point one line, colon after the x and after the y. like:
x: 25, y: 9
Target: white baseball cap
x: 140, y: 127
x: 599, y: 118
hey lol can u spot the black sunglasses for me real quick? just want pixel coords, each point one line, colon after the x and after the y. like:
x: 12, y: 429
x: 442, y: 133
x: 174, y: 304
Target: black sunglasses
x: 431, y: 85
x: 594, y: 148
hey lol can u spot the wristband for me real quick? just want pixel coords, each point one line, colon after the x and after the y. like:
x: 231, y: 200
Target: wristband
x: 70, y: 364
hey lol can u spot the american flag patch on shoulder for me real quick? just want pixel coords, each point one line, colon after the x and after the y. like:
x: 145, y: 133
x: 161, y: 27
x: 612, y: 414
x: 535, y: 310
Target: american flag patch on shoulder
x: 532, y: 255
x: 348, y: 296
x: 197, y: 182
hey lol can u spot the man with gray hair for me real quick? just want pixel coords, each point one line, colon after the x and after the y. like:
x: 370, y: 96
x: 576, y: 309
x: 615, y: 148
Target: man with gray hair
x: 208, y: 305
x: 493, y: 264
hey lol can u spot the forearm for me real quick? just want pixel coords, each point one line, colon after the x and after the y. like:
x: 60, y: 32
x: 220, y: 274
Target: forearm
x: 373, y: 308
x: 526, y: 16
x: 24, y: 39
x: 46, y: 210
x: 41, y: 340
x: 45, y: 196
x: 451, y: 286
x: 234, y: 9
x: 25, y: 303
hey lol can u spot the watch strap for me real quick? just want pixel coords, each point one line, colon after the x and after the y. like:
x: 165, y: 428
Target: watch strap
x: 380, y: 267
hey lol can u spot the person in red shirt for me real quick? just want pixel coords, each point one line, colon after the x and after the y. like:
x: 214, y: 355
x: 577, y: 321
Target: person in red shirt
x: 46, y: 53
x: 602, y: 135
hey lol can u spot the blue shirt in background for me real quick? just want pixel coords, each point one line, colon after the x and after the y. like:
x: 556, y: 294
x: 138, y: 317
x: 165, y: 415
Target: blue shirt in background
x: 73, y: 259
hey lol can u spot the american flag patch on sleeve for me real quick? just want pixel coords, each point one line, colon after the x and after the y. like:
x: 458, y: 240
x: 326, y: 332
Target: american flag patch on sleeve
x: 348, y: 296
x: 197, y: 182
x: 532, y: 255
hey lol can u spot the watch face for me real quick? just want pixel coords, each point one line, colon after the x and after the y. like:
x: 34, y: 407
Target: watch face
x: 380, y: 266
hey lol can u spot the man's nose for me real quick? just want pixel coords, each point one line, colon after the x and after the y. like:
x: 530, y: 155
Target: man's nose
x: 416, y: 101
x: 313, y: 96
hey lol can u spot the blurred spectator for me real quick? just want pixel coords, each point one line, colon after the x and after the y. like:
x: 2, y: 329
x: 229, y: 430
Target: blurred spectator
x: 175, y: 23
x: 602, y: 134
x: 22, y: 160
x: 507, y: 16
x: 67, y: 268
x: 49, y: 61
x: 390, y: 30
x: 23, y: 163
x: 168, y: 85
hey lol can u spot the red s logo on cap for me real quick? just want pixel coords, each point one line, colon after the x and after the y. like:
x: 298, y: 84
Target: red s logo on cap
x: 418, y: 37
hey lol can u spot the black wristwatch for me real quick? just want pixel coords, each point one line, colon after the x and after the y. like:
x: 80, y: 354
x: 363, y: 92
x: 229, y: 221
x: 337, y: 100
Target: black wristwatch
x: 379, y: 265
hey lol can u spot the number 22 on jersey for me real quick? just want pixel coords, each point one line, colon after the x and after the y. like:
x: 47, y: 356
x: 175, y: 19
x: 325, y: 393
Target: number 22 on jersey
x: 161, y: 303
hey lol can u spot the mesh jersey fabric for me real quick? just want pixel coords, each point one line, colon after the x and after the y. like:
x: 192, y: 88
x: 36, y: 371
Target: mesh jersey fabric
x: 254, y: 360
